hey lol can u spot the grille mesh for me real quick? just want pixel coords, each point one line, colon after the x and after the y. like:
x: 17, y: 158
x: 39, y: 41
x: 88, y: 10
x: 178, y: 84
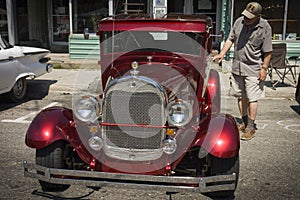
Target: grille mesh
x: 138, y: 107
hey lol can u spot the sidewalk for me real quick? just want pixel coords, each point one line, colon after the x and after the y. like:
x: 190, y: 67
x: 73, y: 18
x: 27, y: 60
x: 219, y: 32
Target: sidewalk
x: 62, y: 61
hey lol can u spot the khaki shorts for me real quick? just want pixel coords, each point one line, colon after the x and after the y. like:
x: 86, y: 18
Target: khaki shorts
x: 251, y: 87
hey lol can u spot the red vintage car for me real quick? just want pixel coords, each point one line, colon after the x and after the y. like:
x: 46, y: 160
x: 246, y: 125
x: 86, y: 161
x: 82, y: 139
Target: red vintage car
x: 156, y: 125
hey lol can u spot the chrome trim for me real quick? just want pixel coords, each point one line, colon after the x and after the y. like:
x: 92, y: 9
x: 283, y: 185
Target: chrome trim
x: 208, y: 28
x: 162, y: 92
x: 131, y: 181
x: 49, y: 67
x: 8, y: 59
x: 140, y: 78
x: 95, y: 104
x: 132, y: 154
x: 190, y: 108
x: 128, y: 83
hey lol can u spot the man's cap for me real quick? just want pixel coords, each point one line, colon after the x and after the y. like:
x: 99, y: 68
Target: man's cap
x: 252, y: 10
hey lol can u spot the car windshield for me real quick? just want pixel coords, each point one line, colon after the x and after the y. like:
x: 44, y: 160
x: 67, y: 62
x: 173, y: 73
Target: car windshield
x: 126, y: 41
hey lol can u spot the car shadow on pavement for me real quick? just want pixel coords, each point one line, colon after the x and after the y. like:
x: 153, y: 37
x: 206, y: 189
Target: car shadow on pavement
x: 296, y: 108
x: 56, y: 197
x: 36, y: 90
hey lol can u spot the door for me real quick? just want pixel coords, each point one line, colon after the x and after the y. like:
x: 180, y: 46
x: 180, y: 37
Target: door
x: 60, y: 21
x: 8, y: 66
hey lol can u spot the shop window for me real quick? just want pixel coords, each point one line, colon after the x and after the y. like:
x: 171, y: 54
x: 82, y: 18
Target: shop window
x: 86, y: 15
x: 3, y: 20
x: 22, y: 20
x: 175, y: 6
x: 60, y: 20
x: 132, y: 7
x: 273, y: 11
x: 206, y: 7
x: 209, y: 8
x: 293, y: 22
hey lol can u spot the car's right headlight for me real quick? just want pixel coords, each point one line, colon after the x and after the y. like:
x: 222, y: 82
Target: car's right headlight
x: 179, y: 113
x: 86, y: 109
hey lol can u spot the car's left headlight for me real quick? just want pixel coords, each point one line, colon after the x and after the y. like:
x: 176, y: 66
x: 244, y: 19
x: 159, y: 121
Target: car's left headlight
x: 179, y: 113
x: 86, y: 108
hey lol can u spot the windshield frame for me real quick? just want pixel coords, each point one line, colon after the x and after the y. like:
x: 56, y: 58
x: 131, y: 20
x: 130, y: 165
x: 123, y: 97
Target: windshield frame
x: 151, y: 40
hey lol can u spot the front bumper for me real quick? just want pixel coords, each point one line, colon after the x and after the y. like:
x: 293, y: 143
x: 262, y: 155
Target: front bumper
x: 131, y: 181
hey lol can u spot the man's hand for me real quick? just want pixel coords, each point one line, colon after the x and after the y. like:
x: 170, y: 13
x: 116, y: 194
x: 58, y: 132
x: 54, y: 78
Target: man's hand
x: 222, y: 53
x: 262, y: 74
x: 218, y: 57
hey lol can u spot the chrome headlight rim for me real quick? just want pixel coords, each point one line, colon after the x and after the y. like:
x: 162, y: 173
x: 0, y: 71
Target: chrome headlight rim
x: 169, y: 146
x: 183, y: 104
x: 86, y: 108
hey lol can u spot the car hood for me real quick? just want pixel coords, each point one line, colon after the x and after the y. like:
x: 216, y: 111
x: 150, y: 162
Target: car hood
x: 160, y: 67
x: 180, y: 76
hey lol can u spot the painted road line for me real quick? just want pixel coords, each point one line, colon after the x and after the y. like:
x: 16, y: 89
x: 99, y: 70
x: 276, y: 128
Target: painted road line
x: 23, y: 120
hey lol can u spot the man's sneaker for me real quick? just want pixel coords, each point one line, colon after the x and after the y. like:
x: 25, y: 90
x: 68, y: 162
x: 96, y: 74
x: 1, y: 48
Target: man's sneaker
x: 248, y: 134
x: 241, y: 127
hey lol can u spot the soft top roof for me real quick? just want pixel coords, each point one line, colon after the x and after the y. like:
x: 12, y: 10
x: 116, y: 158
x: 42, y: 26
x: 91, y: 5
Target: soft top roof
x: 172, y: 22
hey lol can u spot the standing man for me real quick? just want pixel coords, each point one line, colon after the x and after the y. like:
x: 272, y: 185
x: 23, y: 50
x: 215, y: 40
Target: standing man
x: 252, y: 39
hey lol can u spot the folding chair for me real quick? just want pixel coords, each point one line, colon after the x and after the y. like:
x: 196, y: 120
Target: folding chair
x: 282, y: 65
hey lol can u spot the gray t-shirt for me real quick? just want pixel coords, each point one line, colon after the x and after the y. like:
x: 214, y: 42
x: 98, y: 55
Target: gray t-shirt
x: 250, y: 46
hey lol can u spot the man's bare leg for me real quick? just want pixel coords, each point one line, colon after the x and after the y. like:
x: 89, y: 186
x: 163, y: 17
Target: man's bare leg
x: 243, y: 108
x: 249, y: 132
x: 252, y: 114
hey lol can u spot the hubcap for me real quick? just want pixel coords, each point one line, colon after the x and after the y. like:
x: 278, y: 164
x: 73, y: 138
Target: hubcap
x: 18, y: 88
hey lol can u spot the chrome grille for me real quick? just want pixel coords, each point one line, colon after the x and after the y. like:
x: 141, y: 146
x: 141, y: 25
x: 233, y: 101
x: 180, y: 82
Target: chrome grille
x: 139, y: 105
x: 126, y: 107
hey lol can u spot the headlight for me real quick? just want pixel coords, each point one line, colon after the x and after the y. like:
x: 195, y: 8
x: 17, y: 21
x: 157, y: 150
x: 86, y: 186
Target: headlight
x: 96, y: 143
x: 179, y: 113
x: 86, y: 108
x: 169, y: 146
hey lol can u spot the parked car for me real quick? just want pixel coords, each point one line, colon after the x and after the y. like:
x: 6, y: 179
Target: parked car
x: 18, y: 63
x: 157, y: 124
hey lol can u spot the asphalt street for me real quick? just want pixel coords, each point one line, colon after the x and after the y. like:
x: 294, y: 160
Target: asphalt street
x: 269, y: 162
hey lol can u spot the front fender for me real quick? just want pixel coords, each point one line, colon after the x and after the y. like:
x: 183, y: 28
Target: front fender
x: 219, y: 136
x: 48, y: 126
x: 53, y: 124
x: 25, y: 75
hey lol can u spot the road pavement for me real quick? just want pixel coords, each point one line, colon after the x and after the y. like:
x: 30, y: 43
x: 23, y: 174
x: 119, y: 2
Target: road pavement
x: 269, y: 162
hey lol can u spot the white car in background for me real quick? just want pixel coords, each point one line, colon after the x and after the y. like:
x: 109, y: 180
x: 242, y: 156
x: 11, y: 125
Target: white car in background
x: 18, y: 63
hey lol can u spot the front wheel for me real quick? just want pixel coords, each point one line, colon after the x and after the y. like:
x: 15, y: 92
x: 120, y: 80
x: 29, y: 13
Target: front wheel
x: 52, y: 156
x: 224, y: 166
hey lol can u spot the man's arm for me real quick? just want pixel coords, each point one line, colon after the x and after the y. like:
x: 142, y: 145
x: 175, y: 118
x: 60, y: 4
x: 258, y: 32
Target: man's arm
x: 266, y: 60
x: 264, y: 69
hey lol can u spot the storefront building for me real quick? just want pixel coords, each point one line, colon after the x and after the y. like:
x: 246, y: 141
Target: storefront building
x: 59, y: 24
x: 283, y: 18
x: 49, y: 23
